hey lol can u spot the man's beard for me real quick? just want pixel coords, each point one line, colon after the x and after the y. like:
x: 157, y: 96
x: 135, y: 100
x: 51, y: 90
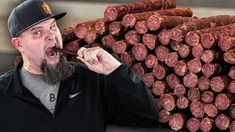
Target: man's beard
x: 62, y: 70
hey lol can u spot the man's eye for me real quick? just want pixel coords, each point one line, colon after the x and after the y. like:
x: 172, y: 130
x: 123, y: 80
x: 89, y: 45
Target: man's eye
x: 37, y: 33
x: 53, y: 27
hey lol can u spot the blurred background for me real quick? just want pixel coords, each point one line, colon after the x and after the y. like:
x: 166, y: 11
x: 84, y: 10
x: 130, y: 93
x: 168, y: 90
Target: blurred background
x: 82, y: 10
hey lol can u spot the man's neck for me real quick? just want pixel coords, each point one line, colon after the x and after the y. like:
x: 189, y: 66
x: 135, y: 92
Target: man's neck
x: 32, y: 70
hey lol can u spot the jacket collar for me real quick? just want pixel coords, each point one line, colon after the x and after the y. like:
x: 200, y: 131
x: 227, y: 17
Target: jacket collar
x: 15, y: 85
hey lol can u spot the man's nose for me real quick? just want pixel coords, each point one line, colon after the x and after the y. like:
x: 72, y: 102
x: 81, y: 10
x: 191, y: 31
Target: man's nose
x: 50, y: 35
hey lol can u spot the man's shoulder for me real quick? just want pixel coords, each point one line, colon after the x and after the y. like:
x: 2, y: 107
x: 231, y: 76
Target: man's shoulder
x: 6, y: 75
x: 4, y: 79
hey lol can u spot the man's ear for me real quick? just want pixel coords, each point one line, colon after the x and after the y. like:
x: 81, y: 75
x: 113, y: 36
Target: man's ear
x: 17, y: 43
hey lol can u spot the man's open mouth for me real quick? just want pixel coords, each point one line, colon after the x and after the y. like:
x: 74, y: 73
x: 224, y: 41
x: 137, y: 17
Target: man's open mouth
x: 50, y: 52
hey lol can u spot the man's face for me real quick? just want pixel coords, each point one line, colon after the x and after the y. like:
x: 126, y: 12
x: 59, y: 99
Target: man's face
x: 37, y: 43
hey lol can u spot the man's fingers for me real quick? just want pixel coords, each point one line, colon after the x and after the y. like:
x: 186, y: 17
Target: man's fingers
x: 92, y: 56
x: 84, y: 61
x: 88, y: 54
x: 80, y: 52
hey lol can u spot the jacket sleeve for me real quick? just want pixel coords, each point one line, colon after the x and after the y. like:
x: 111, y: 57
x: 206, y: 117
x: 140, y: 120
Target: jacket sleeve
x: 127, y: 101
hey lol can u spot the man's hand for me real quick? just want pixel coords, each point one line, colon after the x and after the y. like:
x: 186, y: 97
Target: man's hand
x: 98, y: 60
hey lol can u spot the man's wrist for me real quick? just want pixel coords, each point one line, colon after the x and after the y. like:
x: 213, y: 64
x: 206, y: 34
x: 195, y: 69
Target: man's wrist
x: 114, y: 68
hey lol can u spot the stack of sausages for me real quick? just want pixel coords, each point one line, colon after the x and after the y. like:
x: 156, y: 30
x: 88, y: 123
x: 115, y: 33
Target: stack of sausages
x: 187, y: 62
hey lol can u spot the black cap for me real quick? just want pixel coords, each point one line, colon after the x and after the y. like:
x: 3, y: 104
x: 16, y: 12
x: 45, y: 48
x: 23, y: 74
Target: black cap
x: 28, y: 14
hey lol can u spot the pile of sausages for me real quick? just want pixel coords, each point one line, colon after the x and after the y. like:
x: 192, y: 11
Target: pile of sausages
x: 187, y: 62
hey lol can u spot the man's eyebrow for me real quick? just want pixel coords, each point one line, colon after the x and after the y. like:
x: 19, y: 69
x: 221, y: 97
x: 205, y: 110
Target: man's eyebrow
x: 35, y: 28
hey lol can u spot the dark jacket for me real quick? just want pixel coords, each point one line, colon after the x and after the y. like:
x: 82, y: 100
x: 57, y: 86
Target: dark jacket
x: 119, y: 98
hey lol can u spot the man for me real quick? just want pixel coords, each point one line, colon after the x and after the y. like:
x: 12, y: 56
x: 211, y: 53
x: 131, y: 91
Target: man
x: 46, y: 93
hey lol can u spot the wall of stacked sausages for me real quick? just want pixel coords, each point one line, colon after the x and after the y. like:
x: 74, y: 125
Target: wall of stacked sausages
x: 186, y: 62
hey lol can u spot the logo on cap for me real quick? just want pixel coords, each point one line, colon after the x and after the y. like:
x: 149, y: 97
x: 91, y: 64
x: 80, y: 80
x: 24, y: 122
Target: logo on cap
x: 46, y: 8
